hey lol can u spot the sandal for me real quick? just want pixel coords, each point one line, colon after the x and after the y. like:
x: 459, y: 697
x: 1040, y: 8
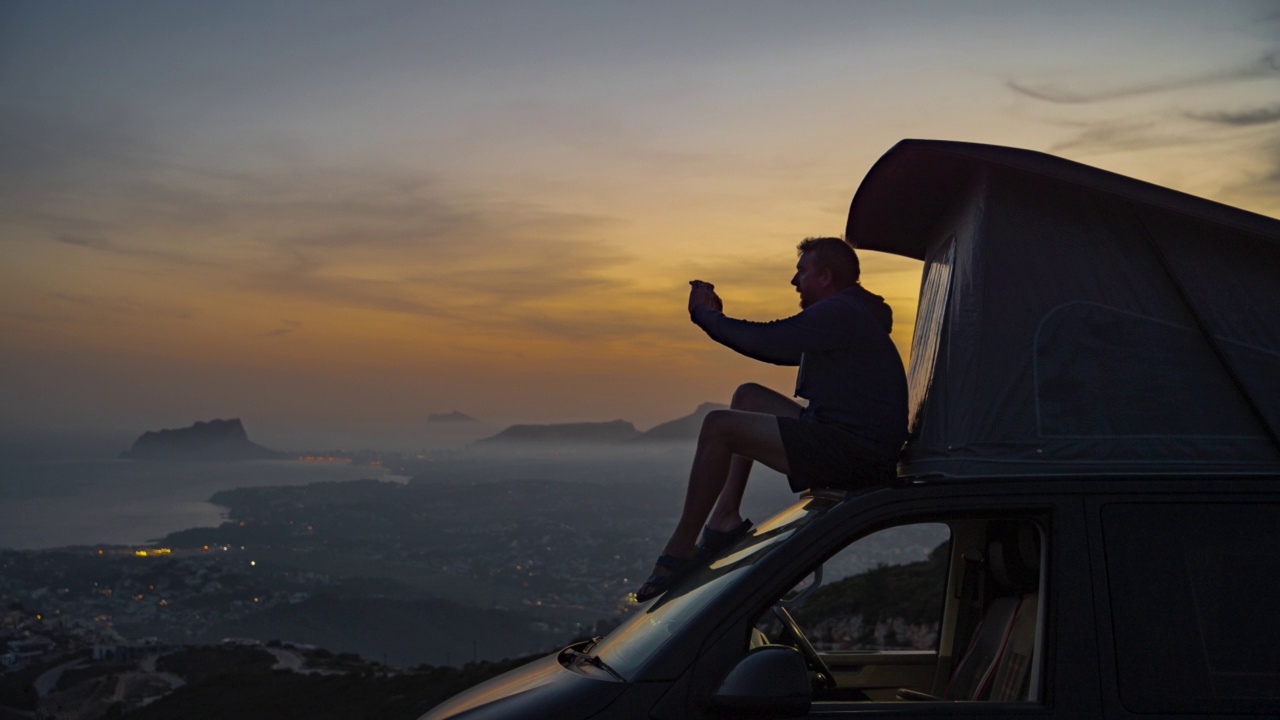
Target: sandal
x: 713, y: 541
x: 677, y: 568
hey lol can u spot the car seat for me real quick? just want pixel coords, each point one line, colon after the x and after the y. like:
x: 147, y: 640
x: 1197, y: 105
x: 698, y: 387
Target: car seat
x: 998, y: 661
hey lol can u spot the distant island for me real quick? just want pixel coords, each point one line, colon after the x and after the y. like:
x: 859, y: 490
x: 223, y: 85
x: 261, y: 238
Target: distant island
x: 212, y: 440
x: 450, y: 417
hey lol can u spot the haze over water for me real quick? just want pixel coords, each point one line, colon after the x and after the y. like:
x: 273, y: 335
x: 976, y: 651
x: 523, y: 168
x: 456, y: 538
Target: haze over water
x: 126, y: 502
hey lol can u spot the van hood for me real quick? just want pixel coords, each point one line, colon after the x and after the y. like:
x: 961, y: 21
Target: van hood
x: 542, y: 689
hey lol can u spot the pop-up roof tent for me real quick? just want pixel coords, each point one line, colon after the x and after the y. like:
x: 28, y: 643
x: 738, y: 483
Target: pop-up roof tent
x: 1077, y: 322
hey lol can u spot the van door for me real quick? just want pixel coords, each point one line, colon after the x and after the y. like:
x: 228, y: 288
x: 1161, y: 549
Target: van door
x: 949, y: 612
x: 1188, y: 616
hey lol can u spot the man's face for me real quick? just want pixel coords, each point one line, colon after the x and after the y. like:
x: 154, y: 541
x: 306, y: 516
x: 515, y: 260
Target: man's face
x: 813, y: 283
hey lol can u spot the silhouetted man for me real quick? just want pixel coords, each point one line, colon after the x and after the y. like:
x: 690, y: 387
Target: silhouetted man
x: 847, y: 437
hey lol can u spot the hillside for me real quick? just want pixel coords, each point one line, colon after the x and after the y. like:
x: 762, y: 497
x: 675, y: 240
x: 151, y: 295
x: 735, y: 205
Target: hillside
x: 246, y: 683
x: 683, y: 429
x: 616, y: 431
x: 868, y: 609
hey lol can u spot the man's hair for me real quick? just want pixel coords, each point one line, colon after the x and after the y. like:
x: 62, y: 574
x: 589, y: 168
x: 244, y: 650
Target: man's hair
x: 834, y: 255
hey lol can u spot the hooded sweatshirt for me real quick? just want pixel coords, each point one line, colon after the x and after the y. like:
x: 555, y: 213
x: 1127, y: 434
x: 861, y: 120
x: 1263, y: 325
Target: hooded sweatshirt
x: 850, y: 371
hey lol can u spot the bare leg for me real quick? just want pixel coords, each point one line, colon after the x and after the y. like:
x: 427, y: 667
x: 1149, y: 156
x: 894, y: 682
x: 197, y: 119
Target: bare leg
x: 725, y: 433
x: 726, y: 515
x: 726, y: 436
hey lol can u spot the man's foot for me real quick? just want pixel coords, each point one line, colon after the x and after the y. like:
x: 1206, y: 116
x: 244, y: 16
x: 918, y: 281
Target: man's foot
x: 713, y: 541
x: 666, y: 571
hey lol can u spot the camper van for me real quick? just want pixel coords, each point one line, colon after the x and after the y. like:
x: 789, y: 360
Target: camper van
x: 1088, y: 507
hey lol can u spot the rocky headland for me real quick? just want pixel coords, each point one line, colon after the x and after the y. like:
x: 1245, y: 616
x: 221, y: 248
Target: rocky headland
x: 212, y: 440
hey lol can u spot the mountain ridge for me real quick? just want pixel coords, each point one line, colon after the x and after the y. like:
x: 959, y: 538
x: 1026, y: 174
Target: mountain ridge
x: 683, y: 429
x: 613, y: 432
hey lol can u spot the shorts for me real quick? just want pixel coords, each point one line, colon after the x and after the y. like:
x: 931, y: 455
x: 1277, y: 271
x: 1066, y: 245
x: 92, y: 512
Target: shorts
x: 824, y: 456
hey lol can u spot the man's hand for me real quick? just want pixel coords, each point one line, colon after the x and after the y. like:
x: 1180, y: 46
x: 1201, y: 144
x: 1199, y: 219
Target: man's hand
x: 703, y: 293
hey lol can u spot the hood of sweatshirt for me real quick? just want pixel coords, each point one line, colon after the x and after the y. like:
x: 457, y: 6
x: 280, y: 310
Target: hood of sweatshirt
x: 875, y: 304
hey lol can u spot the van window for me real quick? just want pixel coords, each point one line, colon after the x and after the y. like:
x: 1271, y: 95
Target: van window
x: 1193, y: 591
x: 882, y: 593
x: 631, y: 645
x: 932, y: 611
x: 1106, y: 372
x: 935, y: 288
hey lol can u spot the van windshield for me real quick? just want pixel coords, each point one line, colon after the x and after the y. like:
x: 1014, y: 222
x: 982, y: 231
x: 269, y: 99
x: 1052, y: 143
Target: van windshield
x: 638, y: 639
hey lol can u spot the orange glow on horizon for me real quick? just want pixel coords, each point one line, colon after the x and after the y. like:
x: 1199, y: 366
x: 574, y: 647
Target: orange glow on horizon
x: 516, y: 245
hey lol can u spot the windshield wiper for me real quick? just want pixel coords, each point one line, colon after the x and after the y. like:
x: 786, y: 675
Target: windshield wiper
x: 593, y: 660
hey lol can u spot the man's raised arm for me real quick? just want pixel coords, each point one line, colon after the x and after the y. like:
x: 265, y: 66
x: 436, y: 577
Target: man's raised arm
x: 780, y: 342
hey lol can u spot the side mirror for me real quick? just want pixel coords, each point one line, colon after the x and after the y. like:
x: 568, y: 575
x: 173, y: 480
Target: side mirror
x: 771, y: 681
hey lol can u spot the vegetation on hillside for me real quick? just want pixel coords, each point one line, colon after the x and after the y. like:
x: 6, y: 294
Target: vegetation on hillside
x: 238, y: 682
x: 886, y: 606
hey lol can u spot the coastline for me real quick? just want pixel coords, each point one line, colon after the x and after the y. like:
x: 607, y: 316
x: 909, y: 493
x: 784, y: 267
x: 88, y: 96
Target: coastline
x: 52, y: 504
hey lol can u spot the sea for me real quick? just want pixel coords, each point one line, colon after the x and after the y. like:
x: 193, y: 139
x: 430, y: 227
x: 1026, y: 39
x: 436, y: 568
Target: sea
x: 50, y: 504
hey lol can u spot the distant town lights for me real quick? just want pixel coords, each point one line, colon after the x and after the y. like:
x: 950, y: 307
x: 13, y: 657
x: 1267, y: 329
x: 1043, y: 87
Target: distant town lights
x: 149, y: 552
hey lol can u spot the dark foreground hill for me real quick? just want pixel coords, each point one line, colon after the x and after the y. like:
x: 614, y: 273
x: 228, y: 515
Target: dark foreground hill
x: 403, y: 632
x: 213, y: 440
x: 241, y: 683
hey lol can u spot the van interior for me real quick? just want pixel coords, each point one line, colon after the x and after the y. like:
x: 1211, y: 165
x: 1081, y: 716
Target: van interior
x: 957, y: 615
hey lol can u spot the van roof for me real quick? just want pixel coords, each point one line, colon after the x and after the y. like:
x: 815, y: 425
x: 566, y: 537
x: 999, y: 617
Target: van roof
x: 1073, y: 321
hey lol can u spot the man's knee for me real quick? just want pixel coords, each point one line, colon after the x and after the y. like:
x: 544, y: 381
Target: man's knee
x: 753, y: 397
x: 722, y: 428
x: 751, y: 435
x: 713, y: 424
x: 749, y: 396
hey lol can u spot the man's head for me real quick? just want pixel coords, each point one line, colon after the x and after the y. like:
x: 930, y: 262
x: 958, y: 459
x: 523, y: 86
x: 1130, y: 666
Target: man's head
x: 827, y: 265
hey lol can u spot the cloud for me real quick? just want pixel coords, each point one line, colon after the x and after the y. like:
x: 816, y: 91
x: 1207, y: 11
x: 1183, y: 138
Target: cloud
x: 117, y: 306
x: 1267, y: 66
x: 467, y: 262
x: 1123, y: 135
x: 1260, y: 189
x: 289, y: 326
x: 111, y: 248
x: 1227, y: 136
x: 1250, y: 132
x: 775, y: 269
x: 93, y: 243
x: 1244, y: 118
x: 286, y: 225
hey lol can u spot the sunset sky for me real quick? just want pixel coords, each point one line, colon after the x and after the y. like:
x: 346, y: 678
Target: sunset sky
x: 334, y: 219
